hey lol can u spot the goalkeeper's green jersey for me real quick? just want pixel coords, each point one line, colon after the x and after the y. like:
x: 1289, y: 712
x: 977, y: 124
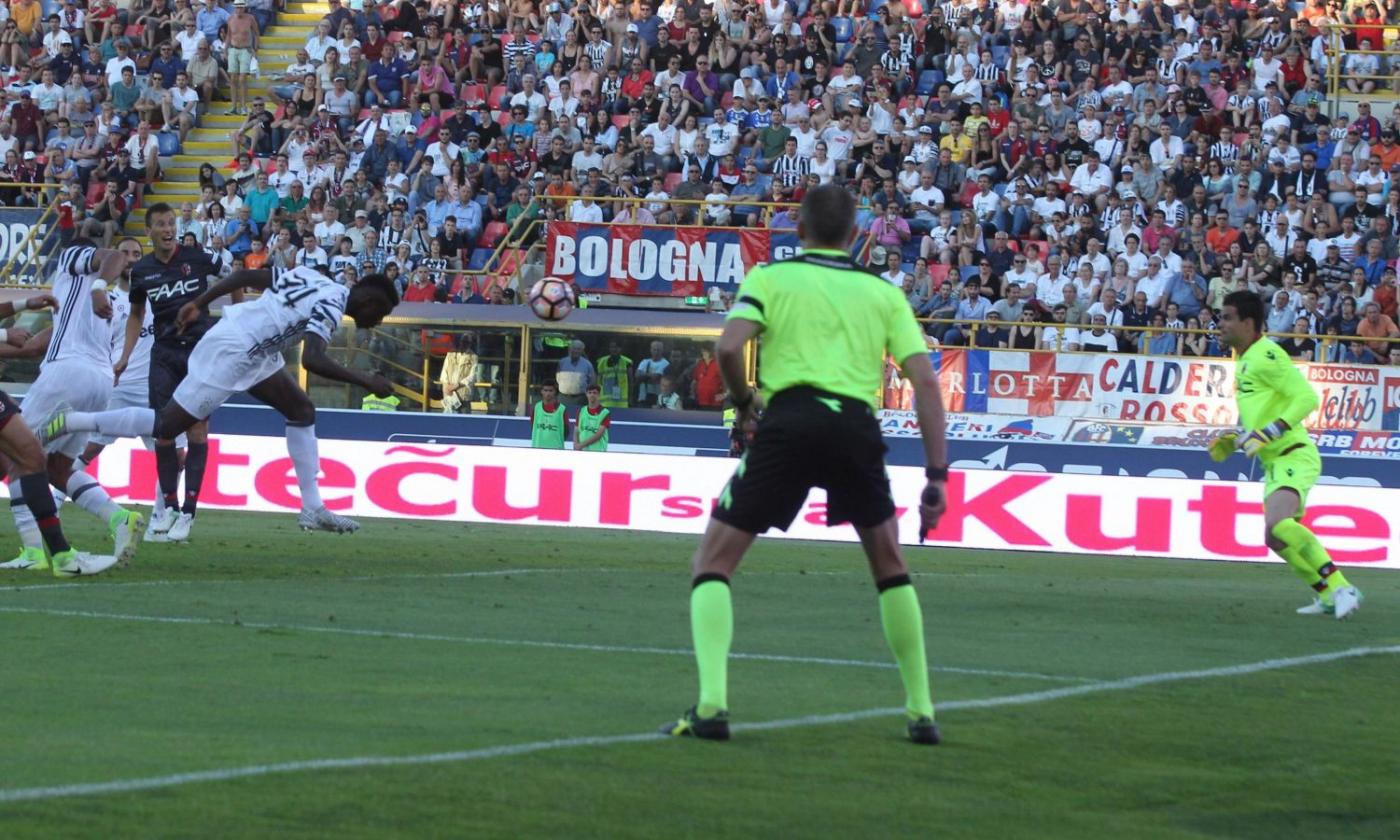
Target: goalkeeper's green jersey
x: 1267, y: 388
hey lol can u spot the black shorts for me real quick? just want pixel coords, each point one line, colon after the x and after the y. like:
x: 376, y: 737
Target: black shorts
x: 810, y: 438
x: 169, y: 364
x: 9, y: 409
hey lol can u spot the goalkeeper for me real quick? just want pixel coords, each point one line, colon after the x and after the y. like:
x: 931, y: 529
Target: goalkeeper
x: 1273, y: 399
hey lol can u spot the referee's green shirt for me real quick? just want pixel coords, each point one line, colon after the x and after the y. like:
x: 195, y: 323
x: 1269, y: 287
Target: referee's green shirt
x: 827, y: 323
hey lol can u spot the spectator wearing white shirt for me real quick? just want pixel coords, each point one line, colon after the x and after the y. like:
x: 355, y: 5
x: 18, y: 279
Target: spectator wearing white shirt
x: 320, y: 41
x: 1092, y: 179
x: 442, y: 152
x: 116, y: 63
x: 189, y: 38
x: 145, y: 154
x: 586, y: 210
x: 722, y: 134
x: 968, y: 89
x: 1167, y: 149
x: 565, y: 105
x: 529, y: 98
x: 330, y: 229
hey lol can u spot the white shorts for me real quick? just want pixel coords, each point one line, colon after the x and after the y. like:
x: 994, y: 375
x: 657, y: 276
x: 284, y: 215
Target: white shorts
x: 83, y: 386
x: 131, y: 392
x: 220, y: 367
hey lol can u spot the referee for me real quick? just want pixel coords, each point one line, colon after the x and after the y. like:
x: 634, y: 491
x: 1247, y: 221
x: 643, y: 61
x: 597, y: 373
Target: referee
x: 827, y: 325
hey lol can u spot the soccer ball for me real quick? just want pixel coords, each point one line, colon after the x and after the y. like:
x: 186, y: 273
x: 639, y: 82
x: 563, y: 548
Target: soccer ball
x: 552, y: 299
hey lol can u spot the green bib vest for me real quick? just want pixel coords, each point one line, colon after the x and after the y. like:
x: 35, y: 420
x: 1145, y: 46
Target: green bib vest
x: 373, y: 403
x: 589, y: 425
x: 547, y: 430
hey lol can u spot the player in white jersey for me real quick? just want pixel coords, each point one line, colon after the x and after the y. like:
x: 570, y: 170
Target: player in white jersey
x: 76, y: 372
x: 132, y: 389
x: 243, y: 352
x: 24, y: 459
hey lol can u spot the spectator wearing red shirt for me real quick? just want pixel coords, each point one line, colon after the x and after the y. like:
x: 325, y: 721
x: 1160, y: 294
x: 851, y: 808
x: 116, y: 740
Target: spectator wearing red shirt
x: 636, y: 80
x: 27, y: 118
x: 421, y: 289
x: 706, y: 387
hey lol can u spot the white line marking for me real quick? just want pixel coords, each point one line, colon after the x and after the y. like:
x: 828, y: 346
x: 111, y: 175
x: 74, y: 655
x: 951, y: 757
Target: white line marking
x: 484, y: 640
x: 357, y: 579
x: 76, y: 585
x: 355, y: 763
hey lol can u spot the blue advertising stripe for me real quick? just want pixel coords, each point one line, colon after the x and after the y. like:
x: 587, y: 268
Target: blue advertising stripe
x: 979, y: 366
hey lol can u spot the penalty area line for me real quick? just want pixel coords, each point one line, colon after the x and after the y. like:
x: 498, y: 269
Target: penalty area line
x: 527, y: 643
x: 508, y: 750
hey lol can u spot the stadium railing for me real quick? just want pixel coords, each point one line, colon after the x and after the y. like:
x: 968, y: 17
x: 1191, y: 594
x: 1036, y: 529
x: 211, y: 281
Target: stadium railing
x: 25, y: 259
x: 1336, y: 74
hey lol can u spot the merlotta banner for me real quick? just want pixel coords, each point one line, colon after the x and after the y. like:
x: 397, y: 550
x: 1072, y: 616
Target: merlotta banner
x: 660, y: 261
x: 1153, y: 389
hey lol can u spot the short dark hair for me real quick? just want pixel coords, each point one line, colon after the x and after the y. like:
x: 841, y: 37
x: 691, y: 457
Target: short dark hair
x: 827, y: 216
x: 155, y: 210
x: 1248, y: 307
x: 382, y: 284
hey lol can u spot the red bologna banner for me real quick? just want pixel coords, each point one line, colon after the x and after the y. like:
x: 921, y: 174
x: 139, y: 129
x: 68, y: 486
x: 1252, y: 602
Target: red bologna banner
x: 668, y: 261
x: 1079, y: 514
x: 1129, y: 387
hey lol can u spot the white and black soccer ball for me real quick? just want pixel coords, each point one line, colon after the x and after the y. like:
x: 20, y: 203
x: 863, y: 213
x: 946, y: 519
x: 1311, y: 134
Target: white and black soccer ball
x: 552, y: 299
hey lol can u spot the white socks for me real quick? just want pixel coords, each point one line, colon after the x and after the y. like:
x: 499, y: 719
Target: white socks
x: 119, y: 422
x: 84, y: 490
x: 24, y: 519
x: 306, y: 460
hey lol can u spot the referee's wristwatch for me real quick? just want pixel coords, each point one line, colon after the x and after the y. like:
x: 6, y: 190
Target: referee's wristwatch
x: 936, y: 473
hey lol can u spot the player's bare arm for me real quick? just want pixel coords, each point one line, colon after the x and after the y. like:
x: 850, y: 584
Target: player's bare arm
x: 928, y: 405
x: 31, y: 347
x: 17, y: 343
x: 316, y: 360
x: 134, y: 323
x: 43, y: 301
x: 232, y: 285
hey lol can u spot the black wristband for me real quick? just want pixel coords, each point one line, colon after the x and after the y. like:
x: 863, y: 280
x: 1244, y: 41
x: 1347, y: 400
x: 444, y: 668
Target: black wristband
x: 936, y: 473
x: 743, y: 404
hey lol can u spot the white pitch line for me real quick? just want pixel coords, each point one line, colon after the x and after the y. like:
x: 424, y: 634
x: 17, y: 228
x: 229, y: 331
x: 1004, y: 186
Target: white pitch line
x: 75, y: 585
x: 507, y: 750
x: 529, y: 643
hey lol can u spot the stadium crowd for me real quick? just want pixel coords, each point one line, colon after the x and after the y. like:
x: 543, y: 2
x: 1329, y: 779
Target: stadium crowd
x: 1111, y: 164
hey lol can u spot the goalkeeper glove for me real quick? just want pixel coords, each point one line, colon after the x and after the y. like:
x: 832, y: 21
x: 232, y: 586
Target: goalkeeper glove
x: 1224, y: 446
x: 1252, y: 442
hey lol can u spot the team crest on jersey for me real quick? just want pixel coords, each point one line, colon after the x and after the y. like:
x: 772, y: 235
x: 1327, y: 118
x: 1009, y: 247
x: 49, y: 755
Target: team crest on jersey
x: 186, y: 268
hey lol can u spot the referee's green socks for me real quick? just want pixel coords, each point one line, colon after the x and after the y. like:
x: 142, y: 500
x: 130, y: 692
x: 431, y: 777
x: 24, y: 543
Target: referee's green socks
x: 1309, y: 559
x: 712, y: 629
x: 903, y: 622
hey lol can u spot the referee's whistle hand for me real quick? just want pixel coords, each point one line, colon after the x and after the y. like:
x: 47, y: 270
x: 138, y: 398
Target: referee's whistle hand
x: 933, y: 503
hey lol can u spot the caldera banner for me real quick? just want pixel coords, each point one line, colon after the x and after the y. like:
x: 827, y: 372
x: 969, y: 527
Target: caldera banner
x: 1153, y: 389
x: 660, y: 261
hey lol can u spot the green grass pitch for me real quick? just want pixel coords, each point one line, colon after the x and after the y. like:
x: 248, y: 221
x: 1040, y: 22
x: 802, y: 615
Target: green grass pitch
x: 514, y: 674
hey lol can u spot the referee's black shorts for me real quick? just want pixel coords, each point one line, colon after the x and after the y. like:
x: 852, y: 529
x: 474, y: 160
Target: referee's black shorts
x: 810, y: 438
x: 169, y: 364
